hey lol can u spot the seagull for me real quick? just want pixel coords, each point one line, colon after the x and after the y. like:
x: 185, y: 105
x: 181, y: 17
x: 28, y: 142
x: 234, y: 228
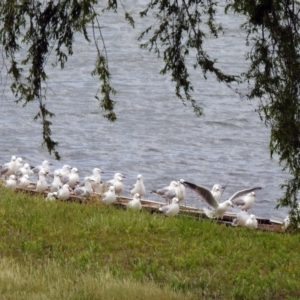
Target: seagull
x: 109, y: 197
x: 56, y: 184
x: 219, y: 211
x: 172, y: 209
x: 45, y: 166
x: 23, y: 182
x: 18, y: 164
x: 217, y: 191
x: 26, y: 169
x: 86, y: 190
x: 41, y: 185
x: 167, y: 192
x: 51, y: 196
x: 139, y: 187
x: 244, y: 199
x: 64, y: 171
x: 287, y: 221
x: 135, y: 203
x: 97, y: 186
x: 118, y: 185
x: 63, y: 192
x: 180, y: 190
x: 112, y: 181
x: 219, y: 208
x: 11, y: 182
x: 252, y: 223
x: 8, y: 168
x: 245, y: 219
x: 71, y: 179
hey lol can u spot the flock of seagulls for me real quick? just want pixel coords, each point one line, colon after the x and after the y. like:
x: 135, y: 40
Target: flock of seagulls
x: 62, y: 183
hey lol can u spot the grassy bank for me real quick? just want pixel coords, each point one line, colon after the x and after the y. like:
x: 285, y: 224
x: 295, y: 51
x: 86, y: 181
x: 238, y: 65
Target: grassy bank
x: 52, y: 250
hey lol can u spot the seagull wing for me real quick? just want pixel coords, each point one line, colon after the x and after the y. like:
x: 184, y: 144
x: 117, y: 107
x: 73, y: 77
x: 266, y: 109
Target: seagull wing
x: 205, y: 194
x: 235, y: 198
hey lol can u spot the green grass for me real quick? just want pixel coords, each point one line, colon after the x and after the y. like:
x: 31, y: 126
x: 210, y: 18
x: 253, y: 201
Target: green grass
x: 58, y: 250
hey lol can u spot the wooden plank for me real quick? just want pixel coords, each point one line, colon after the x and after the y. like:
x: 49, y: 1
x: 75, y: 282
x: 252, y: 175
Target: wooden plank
x: 153, y: 207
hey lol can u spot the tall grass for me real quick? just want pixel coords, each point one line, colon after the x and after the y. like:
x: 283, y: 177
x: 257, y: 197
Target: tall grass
x: 61, y: 249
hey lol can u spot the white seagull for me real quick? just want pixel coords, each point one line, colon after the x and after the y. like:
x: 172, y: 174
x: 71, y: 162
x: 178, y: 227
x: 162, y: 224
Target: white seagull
x: 217, y: 191
x: 167, y: 192
x: 26, y: 169
x: 41, y: 185
x: 118, y: 185
x: 180, y: 190
x: 8, y: 168
x: 51, y: 196
x: 86, y: 190
x: 65, y: 170
x: 244, y: 199
x: 244, y: 219
x: 18, y: 164
x: 11, y: 182
x: 23, y: 182
x: 219, y: 209
x: 112, y: 181
x: 97, y: 184
x: 45, y: 166
x: 252, y: 223
x: 135, y: 203
x: 71, y: 179
x: 109, y: 197
x: 63, y: 192
x: 172, y: 209
x: 139, y: 187
x: 56, y: 183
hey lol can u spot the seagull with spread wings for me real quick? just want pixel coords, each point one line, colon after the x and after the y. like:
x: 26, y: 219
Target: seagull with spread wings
x: 219, y: 209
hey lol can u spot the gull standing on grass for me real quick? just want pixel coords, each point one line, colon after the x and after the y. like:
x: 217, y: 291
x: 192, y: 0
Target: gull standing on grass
x: 287, y: 221
x: 11, y: 182
x: 135, y: 203
x: 139, y: 187
x: 41, y: 185
x: 109, y: 197
x: 8, y: 168
x: 51, y: 196
x: 172, y: 209
x: 244, y: 219
x: 63, y: 192
x: 252, y: 223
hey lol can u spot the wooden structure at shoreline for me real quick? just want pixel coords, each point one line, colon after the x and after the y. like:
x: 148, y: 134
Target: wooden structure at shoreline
x: 153, y: 207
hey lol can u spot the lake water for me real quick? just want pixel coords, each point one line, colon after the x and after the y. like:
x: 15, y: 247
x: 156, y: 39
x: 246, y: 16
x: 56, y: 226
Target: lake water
x: 155, y: 134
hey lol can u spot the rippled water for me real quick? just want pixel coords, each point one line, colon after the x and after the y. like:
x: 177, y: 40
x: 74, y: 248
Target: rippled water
x: 155, y: 134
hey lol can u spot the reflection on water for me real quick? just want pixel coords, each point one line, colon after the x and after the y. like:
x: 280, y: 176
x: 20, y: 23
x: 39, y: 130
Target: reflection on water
x: 155, y: 134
